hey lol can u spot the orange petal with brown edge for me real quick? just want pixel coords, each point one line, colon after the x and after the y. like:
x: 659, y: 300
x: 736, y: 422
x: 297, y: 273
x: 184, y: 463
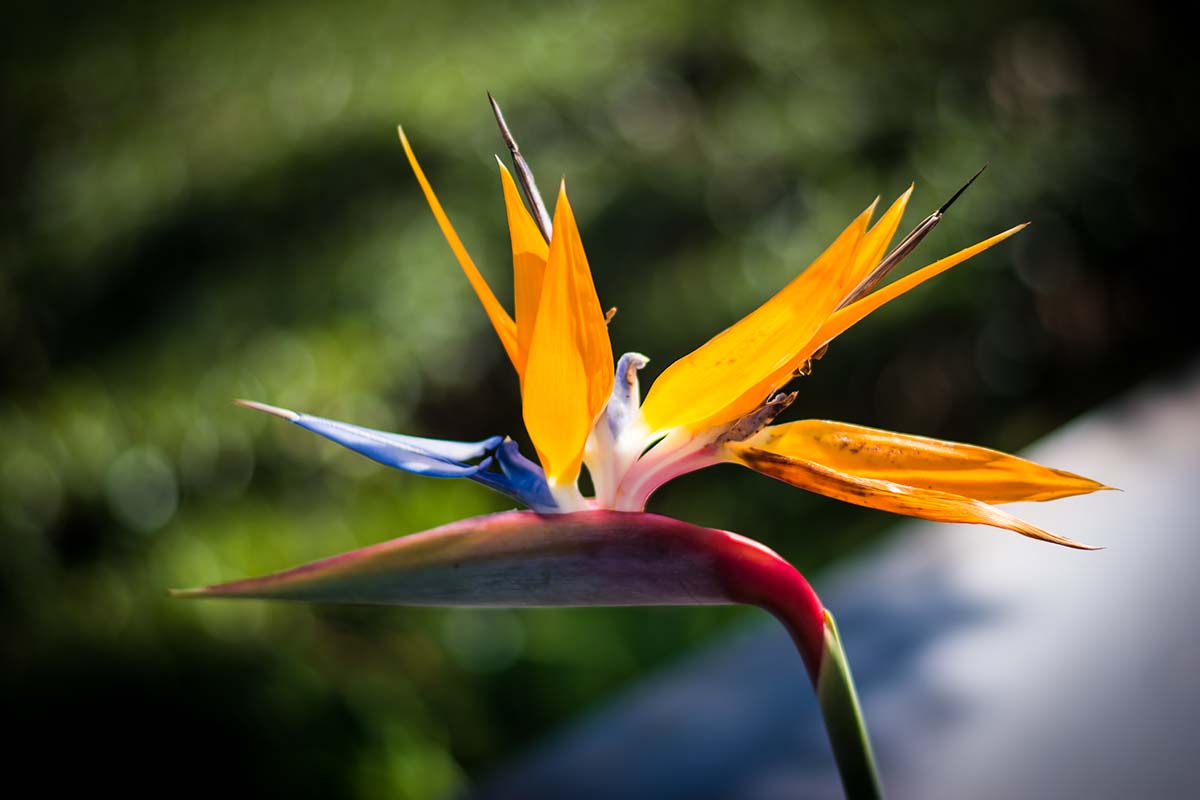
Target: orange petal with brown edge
x: 886, y: 495
x: 923, y: 463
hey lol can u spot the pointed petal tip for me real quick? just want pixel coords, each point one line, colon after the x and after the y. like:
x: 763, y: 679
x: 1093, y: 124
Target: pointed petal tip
x: 1031, y: 531
x: 282, y: 413
x: 1034, y: 532
x: 1089, y: 486
x: 1013, y: 231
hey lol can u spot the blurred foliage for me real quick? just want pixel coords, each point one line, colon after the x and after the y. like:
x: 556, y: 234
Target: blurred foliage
x: 207, y: 200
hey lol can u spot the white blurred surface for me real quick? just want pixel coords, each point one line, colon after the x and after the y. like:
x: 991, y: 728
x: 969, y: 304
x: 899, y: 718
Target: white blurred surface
x: 989, y: 665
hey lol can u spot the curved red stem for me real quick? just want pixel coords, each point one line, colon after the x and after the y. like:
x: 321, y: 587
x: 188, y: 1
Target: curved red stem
x: 757, y: 575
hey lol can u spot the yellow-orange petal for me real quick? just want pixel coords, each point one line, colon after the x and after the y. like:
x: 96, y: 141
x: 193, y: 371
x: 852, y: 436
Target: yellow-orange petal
x: 870, y: 251
x: 922, y: 463
x: 876, y: 242
x: 731, y: 373
x: 887, y: 496
x: 855, y: 312
x: 529, y: 251
x: 505, y: 328
x: 569, y: 371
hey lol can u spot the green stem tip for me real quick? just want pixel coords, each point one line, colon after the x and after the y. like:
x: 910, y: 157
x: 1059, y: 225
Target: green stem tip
x: 844, y: 720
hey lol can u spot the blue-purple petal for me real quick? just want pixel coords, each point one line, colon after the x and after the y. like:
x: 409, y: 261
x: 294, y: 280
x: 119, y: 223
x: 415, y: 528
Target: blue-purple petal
x: 519, y: 478
x: 526, y: 477
x: 431, y: 457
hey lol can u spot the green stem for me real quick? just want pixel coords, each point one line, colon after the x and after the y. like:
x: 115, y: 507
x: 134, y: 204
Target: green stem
x: 844, y: 720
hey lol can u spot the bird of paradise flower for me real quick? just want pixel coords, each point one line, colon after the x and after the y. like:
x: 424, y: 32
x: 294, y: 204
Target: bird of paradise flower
x: 716, y: 404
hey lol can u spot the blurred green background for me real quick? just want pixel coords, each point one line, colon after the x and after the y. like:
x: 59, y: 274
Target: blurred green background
x: 207, y: 200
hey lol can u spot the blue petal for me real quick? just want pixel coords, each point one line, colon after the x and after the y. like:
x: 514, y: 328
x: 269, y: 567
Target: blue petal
x: 396, y: 451
x: 442, y: 448
x: 434, y: 457
x: 520, y: 479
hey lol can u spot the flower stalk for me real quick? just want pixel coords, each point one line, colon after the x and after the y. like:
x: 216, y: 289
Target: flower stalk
x: 844, y: 723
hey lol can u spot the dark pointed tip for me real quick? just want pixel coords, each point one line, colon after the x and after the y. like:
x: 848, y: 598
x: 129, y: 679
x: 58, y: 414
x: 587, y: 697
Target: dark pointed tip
x: 504, y: 131
x: 962, y: 189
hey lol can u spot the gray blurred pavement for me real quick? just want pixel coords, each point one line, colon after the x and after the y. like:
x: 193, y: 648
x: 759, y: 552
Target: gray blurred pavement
x: 990, y: 666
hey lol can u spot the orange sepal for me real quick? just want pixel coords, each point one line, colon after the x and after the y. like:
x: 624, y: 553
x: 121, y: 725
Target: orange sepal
x: 569, y: 370
x: 922, y: 463
x: 529, y: 252
x: 886, y: 495
x: 731, y: 373
x: 855, y: 312
x: 506, y: 329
